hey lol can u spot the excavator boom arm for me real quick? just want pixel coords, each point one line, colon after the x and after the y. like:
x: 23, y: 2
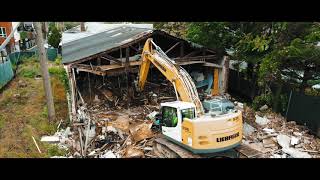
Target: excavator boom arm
x: 181, y: 80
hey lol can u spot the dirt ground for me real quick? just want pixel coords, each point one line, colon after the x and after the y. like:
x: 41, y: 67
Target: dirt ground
x: 23, y: 114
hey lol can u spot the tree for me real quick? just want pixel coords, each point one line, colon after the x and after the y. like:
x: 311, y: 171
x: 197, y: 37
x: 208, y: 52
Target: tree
x: 216, y: 35
x: 283, y: 50
x: 282, y: 54
x: 276, y: 52
x: 178, y: 29
x: 54, y: 37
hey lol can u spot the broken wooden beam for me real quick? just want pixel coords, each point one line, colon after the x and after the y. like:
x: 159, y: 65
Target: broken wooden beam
x: 172, y: 47
x: 110, y: 58
x: 182, y: 49
x: 196, y: 58
x: 86, y: 66
x: 101, y: 73
x: 35, y: 142
x: 137, y: 50
x: 192, y: 53
x: 127, y: 66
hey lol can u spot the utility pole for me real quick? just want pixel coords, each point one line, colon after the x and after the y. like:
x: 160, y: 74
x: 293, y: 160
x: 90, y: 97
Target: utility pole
x: 225, y: 74
x: 82, y: 27
x: 44, y: 71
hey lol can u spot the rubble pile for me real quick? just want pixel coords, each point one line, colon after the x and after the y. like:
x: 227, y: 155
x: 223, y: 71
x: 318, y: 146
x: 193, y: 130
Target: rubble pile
x: 105, y: 128
x: 270, y: 134
x: 109, y: 134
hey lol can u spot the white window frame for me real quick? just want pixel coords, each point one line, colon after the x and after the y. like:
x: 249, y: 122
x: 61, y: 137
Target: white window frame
x: 3, y: 33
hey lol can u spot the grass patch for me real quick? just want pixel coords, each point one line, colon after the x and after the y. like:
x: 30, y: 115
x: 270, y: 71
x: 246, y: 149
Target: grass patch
x: 2, y: 121
x: 42, y: 125
x: 6, y: 98
x: 61, y: 73
x: 29, y: 73
x: 23, y: 111
x: 54, y: 150
x: 30, y: 68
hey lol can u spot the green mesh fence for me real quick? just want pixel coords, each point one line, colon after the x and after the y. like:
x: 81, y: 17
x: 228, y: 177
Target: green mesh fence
x: 52, y: 53
x: 6, y: 72
x: 305, y: 110
x: 17, y: 56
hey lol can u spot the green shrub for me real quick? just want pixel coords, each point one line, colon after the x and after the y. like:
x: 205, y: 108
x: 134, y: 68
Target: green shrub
x: 262, y: 100
x: 23, y: 35
x: 54, y: 37
x: 58, y: 60
x: 61, y: 73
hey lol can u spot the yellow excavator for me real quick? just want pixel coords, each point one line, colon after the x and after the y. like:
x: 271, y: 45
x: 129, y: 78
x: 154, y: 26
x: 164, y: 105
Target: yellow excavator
x: 186, y: 125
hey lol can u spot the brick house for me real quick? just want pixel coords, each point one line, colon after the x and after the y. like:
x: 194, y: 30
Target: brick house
x: 5, y: 30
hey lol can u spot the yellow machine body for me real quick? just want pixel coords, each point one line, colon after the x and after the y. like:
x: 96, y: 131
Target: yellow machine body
x: 207, y: 135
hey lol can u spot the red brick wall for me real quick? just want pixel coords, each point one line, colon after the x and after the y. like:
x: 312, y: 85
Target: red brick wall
x: 8, y: 26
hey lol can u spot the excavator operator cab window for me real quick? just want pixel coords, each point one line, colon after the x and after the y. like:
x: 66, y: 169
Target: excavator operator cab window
x: 188, y: 113
x: 169, y: 116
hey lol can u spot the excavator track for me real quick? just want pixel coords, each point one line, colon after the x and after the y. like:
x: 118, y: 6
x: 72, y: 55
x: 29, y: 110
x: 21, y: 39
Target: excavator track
x: 164, y: 148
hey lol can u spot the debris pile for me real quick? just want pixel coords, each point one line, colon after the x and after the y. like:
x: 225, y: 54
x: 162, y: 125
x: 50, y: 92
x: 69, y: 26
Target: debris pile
x: 105, y: 128
x: 109, y: 134
x: 271, y: 135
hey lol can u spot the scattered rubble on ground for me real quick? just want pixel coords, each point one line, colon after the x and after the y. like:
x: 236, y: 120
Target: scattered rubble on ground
x: 261, y: 120
x: 264, y: 107
x: 104, y: 131
x: 248, y: 129
x: 275, y: 137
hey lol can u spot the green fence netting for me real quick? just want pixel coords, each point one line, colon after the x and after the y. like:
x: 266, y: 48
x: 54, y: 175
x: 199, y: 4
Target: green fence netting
x: 17, y: 56
x: 52, y: 53
x: 305, y: 110
x: 6, y: 73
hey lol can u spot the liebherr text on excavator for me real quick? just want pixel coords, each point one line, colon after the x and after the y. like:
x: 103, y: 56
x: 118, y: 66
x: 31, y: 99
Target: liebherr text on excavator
x: 185, y: 121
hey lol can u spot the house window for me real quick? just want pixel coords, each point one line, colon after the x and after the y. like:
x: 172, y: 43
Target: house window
x: 3, y: 32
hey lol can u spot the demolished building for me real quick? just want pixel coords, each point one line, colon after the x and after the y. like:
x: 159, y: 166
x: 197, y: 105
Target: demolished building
x: 115, y: 54
x: 111, y: 119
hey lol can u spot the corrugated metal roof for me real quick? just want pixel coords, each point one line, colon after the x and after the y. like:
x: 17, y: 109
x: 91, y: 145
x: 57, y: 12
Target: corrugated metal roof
x: 95, y: 28
x: 93, y: 44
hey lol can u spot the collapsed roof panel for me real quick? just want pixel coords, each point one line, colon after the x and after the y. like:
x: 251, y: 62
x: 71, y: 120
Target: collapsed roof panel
x: 81, y: 47
x: 93, y: 44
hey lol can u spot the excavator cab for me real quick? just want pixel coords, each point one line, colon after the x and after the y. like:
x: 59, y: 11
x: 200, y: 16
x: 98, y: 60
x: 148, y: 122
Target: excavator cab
x: 171, y: 117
